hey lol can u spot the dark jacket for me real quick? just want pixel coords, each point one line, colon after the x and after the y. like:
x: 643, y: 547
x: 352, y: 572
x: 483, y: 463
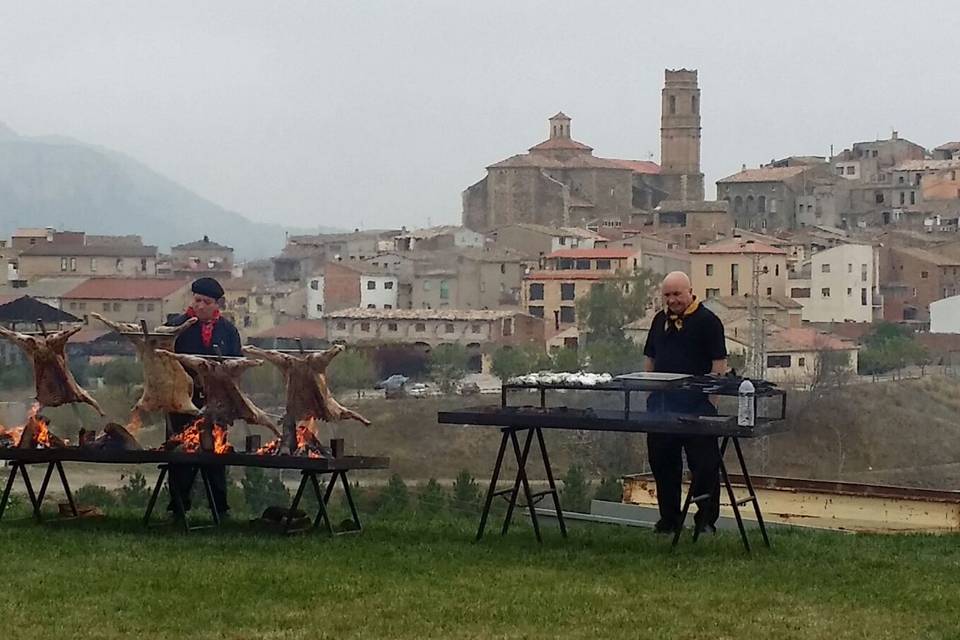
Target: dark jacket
x: 225, y: 335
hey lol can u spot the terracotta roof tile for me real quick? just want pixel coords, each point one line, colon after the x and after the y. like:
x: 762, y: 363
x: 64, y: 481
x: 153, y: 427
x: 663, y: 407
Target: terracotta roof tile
x: 766, y: 174
x: 637, y: 166
x: 596, y: 254
x: 423, y: 314
x: 126, y: 289
x: 737, y: 245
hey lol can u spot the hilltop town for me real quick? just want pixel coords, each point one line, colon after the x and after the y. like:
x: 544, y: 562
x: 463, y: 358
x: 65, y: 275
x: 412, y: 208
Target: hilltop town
x: 817, y: 248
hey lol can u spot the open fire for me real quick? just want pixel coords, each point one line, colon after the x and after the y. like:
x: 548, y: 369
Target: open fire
x: 34, y: 434
x: 303, y: 442
x: 191, y: 439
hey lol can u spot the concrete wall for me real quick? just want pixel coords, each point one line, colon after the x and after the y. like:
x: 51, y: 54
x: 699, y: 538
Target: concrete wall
x: 378, y: 292
x: 774, y: 280
x: 945, y: 315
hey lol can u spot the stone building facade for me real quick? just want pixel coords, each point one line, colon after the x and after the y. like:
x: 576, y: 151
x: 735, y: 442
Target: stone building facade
x: 560, y: 183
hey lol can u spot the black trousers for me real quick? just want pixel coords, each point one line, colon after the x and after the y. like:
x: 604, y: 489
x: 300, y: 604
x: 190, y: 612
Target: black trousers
x: 182, y: 477
x: 666, y: 462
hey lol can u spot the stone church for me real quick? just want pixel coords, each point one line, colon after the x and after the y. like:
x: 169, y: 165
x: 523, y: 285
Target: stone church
x: 559, y: 182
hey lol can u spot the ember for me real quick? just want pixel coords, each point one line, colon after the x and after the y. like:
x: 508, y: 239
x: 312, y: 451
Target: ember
x: 191, y: 439
x: 307, y: 442
x: 272, y: 448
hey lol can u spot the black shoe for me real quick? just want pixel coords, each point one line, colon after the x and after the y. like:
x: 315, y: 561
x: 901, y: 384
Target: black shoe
x: 665, y: 526
x: 703, y: 529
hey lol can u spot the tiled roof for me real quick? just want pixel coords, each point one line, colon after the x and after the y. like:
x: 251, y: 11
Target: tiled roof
x: 560, y: 116
x: 126, y: 289
x: 296, y: 329
x: 553, y: 144
x: 766, y: 174
x: 766, y: 302
x: 543, y: 161
x: 596, y: 254
x: 694, y: 205
x: 803, y: 339
x: 949, y: 146
x: 53, y: 287
x: 431, y: 232
x: 737, y: 245
x: 922, y: 165
x: 204, y: 245
x: 98, y: 250
x: 237, y: 284
x: 638, y: 166
x: 423, y: 314
x: 570, y: 274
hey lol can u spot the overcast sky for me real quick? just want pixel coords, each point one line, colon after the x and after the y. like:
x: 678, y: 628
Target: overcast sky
x: 381, y: 113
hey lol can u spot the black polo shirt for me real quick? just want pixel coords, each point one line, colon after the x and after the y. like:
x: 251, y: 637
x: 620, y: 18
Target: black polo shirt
x: 691, y: 349
x: 225, y: 336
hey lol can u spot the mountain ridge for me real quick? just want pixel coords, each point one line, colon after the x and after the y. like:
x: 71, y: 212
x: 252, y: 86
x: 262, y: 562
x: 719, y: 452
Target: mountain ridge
x: 61, y: 182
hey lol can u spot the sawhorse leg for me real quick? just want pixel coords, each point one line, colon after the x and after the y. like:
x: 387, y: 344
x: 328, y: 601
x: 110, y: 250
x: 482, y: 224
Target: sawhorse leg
x: 175, y: 496
x: 21, y: 468
x: 63, y: 483
x: 492, y: 489
x: 354, y: 513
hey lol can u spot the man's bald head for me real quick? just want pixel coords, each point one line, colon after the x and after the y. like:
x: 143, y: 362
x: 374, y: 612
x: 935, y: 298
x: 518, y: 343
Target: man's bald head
x: 677, y: 291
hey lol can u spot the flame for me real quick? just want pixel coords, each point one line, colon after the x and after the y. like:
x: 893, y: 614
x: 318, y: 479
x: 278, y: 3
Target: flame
x: 188, y: 440
x: 42, y: 438
x: 307, y: 441
x: 269, y: 449
x: 133, y: 426
x: 10, y: 437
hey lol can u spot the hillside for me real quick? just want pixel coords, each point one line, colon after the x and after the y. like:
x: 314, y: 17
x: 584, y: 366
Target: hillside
x: 60, y: 182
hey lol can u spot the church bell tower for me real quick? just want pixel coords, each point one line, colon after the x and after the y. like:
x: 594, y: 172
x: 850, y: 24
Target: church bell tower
x: 680, y: 135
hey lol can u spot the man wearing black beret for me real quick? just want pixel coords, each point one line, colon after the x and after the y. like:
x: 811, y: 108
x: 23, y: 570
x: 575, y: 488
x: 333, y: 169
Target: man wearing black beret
x: 211, y: 335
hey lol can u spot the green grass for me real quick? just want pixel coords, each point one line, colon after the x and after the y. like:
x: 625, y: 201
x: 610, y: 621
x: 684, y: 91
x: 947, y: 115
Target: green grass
x: 408, y: 579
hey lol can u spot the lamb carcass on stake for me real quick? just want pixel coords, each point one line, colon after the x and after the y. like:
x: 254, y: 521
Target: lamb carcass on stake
x: 51, y: 371
x: 308, y: 395
x: 220, y: 380
x: 166, y: 384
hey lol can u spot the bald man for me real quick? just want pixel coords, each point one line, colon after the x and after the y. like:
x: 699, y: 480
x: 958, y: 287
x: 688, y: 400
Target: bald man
x: 685, y: 337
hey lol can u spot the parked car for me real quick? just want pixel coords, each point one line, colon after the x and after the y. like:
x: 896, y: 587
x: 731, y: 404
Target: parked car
x: 469, y: 388
x: 417, y: 390
x: 394, y: 381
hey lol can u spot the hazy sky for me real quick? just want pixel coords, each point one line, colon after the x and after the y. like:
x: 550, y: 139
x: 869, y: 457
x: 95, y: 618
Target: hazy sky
x: 381, y: 113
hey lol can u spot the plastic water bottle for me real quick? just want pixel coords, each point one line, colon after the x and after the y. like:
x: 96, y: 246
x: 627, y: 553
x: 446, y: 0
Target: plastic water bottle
x: 745, y: 416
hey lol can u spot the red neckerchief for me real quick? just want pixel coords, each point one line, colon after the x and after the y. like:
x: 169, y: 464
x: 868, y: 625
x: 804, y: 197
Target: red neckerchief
x: 206, y: 328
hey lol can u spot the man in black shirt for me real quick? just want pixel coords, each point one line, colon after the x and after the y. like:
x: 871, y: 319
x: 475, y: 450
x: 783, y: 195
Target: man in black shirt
x: 686, y: 337
x: 211, y: 335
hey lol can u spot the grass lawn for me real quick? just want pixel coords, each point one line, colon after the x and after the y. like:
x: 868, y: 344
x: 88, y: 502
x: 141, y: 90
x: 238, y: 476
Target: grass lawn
x: 407, y: 579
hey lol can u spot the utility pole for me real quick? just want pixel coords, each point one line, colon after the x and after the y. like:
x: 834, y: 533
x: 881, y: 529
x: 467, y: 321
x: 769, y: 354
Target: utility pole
x: 756, y: 358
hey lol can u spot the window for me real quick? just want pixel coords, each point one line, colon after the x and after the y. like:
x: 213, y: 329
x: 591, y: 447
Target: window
x: 391, y: 326
x: 444, y: 290
x: 106, y: 306
x: 419, y: 327
x: 713, y: 293
x: 63, y: 264
x: 582, y: 264
x: 365, y: 326
x: 73, y: 264
x: 508, y: 326
x: 778, y: 362
x: 319, y: 307
x: 536, y: 312
x: 503, y: 268
x: 776, y: 270
x: 388, y: 306
x: 673, y: 104
x: 93, y: 265
x: 769, y: 291
x: 800, y: 292
x: 801, y: 361
x: 427, y: 285
x: 850, y: 170
x: 315, y: 285
x: 448, y: 327
x: 340, y: 325
x: 149, y: 306
x: 762, y: 204
x: 568, y: 314
x: 825, y: 292
x: 734, y: 279
x: 849, y: 267
x: 73, y: 305
x: 863, y: 296
x: 863, y: 273
x: 878, y: 197
x: 388, y: 284
x: 567, y: 291
x: 371, y: 306
x: 825, y: 268
x: 143, y: 264
x: 924, y: 274
x: 900, y: 180
x: 371, y: 285
x: 475, y: 328
x: 565, y: 263
x: 603, y: 265
x: 119, y: 264
x: 116, y: 306
x: 849, y: 291
x: 913, y: 197
x: 140, y: 307
x: 536, y: 291
x: 903, y: 197
x: 709, y: 270
x: 693, y: 103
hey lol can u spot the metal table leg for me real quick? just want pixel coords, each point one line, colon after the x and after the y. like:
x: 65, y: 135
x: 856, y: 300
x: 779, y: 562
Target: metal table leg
x: 322, y: 502
x: 550, y: 481
x: 63, y: 483
x: 492, y: 489
x: 734, y: 504
x: 753, y: 494
x: 155, y: 495
x: 521, y: 480
x: 304, y: 480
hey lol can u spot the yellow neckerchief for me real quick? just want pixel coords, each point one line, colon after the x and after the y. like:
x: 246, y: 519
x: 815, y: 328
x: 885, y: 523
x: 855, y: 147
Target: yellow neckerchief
x: 677, y: 320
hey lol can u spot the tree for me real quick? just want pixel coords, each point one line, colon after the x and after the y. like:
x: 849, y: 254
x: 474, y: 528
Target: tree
x: 610, y: 489
x: 831, y: 368
x: 395, y: 497
x: 431, y: 499
x: 889, y: 347
x: 514, y: 361
x: 614, y: 356
x: 448, y: 364
x: 352, y: 369
x: 566, y: 359
x: 262, y: 490
x: 604, y: 311
x: 124, y: 373
x: 466, y: 492
x: 575, y: 495
x: 135, y: 494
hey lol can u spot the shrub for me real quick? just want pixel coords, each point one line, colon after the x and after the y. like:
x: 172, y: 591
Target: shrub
x: 135, y: 494
x: 466, y: 492
x: 575, y: 495
x: 395, y: 497
x: 262, y: 489
x: 610, y: 489
x: 432, y: 498
x: 94, y: 495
